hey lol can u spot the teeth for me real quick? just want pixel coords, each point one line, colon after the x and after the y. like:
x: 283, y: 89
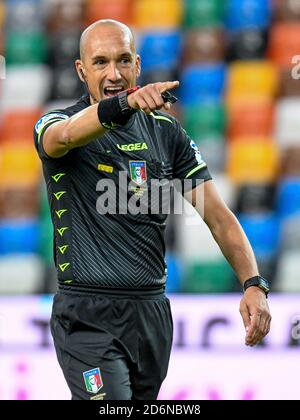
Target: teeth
x: 114, y: 89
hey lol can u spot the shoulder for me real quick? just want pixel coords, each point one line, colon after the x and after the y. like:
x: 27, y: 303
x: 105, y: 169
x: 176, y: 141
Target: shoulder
x: 60, y: 114
x: 81, y: 104
x: 55, y: 115
x: 162, y: 120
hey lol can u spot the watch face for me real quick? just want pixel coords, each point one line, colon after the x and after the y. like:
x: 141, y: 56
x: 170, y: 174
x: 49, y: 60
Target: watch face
x: 264, y: 285
x: 258, y: 281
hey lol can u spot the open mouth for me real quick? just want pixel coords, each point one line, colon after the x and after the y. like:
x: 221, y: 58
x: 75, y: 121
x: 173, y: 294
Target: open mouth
x: 113, y: 91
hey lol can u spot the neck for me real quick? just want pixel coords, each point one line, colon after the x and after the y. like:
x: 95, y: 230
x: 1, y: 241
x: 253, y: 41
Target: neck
x: 93, y: 100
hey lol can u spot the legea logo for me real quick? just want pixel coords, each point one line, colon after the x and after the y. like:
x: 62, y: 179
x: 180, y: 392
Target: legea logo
x: 132, y: 147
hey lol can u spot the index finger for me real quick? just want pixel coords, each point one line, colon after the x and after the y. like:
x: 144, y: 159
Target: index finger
x: 163, y: 86
x: 254, y: 325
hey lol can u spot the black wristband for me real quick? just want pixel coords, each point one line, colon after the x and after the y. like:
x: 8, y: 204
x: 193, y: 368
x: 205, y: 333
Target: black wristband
x: 258, y: 281
x: 111, y: 115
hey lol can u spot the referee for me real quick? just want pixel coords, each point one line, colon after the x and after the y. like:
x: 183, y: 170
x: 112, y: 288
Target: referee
x: 111, y: 321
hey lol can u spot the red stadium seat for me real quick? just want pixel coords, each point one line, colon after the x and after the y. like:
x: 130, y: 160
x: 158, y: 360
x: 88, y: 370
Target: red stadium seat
x: 17, y: 126
x: 284, y: 43
x: 107, y: 9
x: 251, y: 119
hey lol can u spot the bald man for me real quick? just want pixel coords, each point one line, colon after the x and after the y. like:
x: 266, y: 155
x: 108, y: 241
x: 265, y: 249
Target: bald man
x: 111, y: 321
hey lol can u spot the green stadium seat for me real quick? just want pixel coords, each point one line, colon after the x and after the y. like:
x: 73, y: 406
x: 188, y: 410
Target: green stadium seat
x: 203, y: 13
x: 205, y: 121
x: 25, y: 48
x: 209, y: 277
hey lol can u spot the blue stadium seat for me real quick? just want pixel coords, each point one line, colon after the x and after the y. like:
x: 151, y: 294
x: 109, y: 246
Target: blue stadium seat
x: 263, y: 231
x: 202, y: 83
x: 19, y: 236
x: 24, y: 15
x: 288, y: 197
x: 160, y: 50
x: 243, y: 14
x: 174, y: 273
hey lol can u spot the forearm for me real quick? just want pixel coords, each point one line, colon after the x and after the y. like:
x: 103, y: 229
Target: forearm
x: 236, y: 247
x: 76, y: 131
x: 82, y: 128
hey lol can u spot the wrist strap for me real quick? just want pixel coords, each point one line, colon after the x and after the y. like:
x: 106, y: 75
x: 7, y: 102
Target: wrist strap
x: 110, y: 113
x: 113, y: 112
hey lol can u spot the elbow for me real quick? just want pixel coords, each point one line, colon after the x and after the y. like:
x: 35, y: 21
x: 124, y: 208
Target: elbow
x: 222, y: 224
x: 66, y: 138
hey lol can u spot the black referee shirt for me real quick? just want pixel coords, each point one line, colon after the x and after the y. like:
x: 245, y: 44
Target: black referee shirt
x: 93, y: 249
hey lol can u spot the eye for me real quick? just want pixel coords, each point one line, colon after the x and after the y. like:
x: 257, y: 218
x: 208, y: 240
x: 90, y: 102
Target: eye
x: 126, y: 60
x: 100, y: 62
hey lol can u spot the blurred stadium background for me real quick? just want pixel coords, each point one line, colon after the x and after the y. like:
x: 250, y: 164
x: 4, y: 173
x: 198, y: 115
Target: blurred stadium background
x: 239, y: 66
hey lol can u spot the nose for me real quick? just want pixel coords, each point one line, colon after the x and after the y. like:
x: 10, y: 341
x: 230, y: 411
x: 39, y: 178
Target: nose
x: 113, y: 73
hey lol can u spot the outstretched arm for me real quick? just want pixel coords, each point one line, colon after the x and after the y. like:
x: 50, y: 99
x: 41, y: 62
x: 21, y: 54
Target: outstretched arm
x: 235, y: 246
x: 85, y: 126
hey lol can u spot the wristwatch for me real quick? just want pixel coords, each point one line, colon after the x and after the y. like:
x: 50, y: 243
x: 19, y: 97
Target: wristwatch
x: 125, y: 108
x: 258, y: 281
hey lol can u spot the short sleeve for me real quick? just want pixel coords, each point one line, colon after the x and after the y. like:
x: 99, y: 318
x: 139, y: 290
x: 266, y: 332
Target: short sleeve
x: 41, y: 127
x: 188, y: 161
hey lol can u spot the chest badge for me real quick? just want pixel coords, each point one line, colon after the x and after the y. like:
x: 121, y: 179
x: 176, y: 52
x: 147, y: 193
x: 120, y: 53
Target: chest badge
x: 138, y: 171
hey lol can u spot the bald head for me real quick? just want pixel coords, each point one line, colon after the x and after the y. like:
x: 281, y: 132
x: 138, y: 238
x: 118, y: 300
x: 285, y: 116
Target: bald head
x: 108, y: 59
x: 99, y: 29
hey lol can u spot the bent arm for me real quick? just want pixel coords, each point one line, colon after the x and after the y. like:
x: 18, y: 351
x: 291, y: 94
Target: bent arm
x: 85, y: 126
x: 79, y: 130
x: 226, y: 231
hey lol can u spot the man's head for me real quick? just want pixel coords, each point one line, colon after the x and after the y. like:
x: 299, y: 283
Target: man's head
x: 108, y: 60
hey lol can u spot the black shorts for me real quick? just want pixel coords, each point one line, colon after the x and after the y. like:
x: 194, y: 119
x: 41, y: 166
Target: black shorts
x: 113, y: 347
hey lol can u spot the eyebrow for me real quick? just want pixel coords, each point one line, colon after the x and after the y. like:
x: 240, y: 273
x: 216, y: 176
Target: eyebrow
x: 103, y: 57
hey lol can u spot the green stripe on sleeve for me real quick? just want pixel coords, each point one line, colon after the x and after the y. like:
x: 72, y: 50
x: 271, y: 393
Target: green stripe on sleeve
x: 45, y: 126
x: 161, y: 117
x: 193, y: 171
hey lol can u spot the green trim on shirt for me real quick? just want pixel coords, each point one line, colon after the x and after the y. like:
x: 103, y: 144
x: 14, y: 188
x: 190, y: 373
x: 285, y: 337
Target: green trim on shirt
x: 203, y: 165
x: 45, y: 126
x: 161, y: 117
